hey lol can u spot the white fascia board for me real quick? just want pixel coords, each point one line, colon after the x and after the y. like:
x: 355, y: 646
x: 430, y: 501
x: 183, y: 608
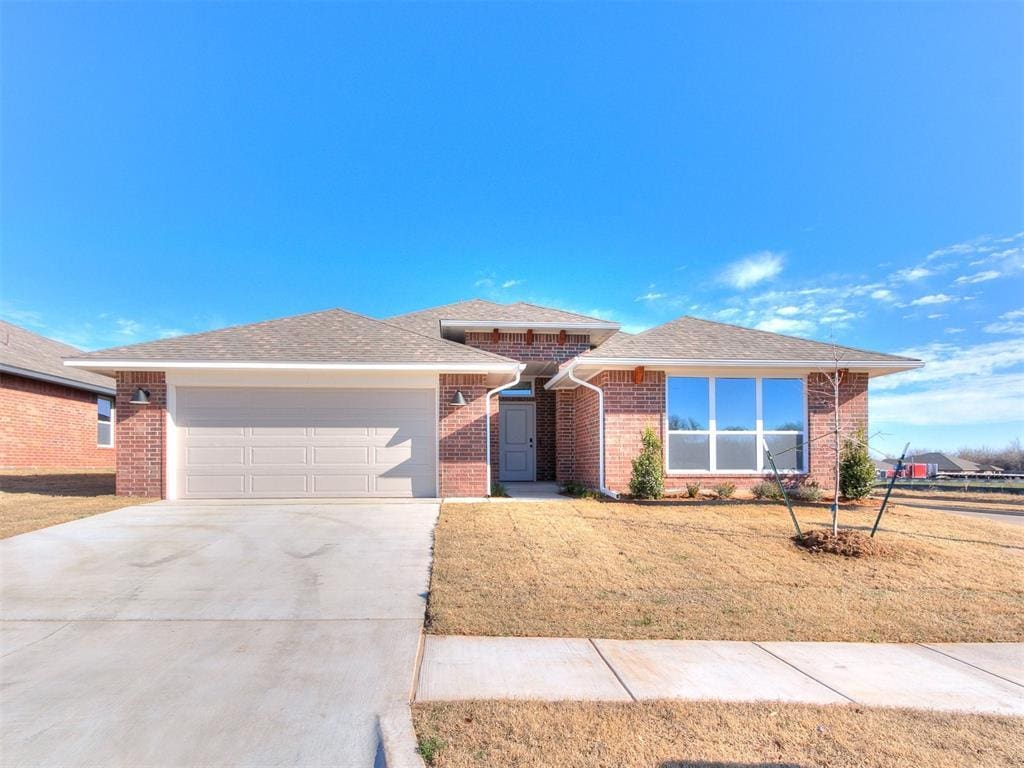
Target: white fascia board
x: 160, y: 365
x: 72, y: 383
x: 507, y: 324
x: 874, y: 367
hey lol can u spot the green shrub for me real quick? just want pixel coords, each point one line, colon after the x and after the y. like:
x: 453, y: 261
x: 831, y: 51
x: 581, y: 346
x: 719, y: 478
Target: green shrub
x: 806, y: 492
x: 499, y: 491
x: 766, y: 489
x: 428, y: 747
x: 579, y: 491
x: 724, y: 490
x: 648, y: 480
x: 856, y: 470
x: 693, y: 490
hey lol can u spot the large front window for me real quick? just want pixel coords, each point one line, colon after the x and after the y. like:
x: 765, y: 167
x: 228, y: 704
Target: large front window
x: 717, y: 424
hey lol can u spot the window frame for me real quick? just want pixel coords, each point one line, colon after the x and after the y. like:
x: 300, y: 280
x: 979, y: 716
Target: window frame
x: 100, y: 421
x: 523, y: 382
x: 758, y: 432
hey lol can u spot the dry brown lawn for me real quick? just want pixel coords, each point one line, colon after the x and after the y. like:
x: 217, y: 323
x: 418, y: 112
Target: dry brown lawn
x: 705, y: 734
x: 720, y: 571
x: 37, y: 499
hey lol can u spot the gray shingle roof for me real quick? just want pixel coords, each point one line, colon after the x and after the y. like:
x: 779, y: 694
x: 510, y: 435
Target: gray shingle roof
x: 691, y: 338
x: 331, y: 336
x: 428, y: 321
x: 35, y: 354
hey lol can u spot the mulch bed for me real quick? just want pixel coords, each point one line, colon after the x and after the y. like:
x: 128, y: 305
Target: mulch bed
x: 846, y: 543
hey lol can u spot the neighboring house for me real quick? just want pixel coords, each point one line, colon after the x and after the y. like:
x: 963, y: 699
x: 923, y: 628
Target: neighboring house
x: 947, y: 464
x: 449, y: 399
x: 51, y: 416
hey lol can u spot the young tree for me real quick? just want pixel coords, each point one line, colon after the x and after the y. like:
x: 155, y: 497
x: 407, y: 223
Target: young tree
x: 648, y: 479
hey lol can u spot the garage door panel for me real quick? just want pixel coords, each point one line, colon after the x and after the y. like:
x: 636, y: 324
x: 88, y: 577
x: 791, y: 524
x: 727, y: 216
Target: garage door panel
x: 288, y: 442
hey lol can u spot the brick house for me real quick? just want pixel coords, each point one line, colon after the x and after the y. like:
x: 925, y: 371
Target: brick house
x: 448, y: 400
x: 51, y: 416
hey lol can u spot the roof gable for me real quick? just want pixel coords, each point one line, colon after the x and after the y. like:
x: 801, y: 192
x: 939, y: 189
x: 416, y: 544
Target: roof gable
x: 692, y: 338
x: 333, y: 336
x: 428, y: 321
x: 25, y: 353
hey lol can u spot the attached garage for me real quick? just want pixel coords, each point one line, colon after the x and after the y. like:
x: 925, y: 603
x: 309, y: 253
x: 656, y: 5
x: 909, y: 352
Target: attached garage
x: 251, y: 442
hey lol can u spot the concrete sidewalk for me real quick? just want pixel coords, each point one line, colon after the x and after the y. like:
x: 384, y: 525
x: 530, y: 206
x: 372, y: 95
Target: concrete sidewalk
x: 975, y: 677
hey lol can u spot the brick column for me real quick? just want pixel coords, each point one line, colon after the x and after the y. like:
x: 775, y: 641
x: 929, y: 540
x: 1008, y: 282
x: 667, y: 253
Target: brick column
x: 853, y: 415
x: 629, y: 408
x: 462, y: 430
x: 141, y: 435
x: 565, y: 435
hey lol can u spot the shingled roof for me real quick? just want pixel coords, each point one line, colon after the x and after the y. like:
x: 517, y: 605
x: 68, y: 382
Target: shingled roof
x: 332, y: 336
x: 692, y: 338
x: 428, y: 321
x: 28, y: 354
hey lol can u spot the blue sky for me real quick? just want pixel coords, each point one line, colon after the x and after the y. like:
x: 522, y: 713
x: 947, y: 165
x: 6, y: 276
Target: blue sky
x: 844, y: 170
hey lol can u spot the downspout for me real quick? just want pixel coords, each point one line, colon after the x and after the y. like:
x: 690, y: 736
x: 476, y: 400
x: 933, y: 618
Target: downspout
x: 600, y: 431
x: 487, y: 405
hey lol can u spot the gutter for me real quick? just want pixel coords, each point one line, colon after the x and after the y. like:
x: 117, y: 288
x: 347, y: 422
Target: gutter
x: 160, y: 365
x: 70, y: 383
x: 600, y: 431
x: 487, y: 406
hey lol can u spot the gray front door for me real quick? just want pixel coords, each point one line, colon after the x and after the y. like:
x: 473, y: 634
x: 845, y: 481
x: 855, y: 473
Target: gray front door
x: 516, y: 442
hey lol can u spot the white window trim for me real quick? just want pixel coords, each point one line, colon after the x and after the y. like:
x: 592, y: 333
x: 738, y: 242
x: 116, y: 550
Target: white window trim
x: 523, y: 381
x: 758, y: 432
x: 111, y: 422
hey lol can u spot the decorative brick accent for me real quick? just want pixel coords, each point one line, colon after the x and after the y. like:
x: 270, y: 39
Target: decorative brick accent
x: 141, y: 435
x: 853, y: 415
x: 630, y: 407
x: 48, y: 426
x: 462, y: 448
x: 544, y: 348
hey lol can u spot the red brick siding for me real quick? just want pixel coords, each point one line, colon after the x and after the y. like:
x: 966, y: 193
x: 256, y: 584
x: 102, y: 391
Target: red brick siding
x: 853, y: 415
x: 586, y: 437
x: 545, y: 346
x: 141, y: 435
x: 462, y: 430
x: 48, y: 426
x: 629, y: 409
x: 565, y: 435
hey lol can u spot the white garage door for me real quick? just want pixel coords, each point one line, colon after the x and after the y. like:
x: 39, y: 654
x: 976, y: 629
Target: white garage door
x: 283, y: 443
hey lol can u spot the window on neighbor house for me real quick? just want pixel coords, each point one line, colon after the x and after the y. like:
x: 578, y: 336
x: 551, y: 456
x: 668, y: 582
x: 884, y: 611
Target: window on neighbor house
x: 104, y: 421
x: 523, y: 389
x: 717, y: 424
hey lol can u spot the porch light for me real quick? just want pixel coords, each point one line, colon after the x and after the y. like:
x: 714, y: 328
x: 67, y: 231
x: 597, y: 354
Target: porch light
x: 140, y: 396
x: 458, y: 398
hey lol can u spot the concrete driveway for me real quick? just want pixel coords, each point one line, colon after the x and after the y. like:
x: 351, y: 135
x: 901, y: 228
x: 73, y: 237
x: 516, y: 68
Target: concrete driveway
x: 178, y: 634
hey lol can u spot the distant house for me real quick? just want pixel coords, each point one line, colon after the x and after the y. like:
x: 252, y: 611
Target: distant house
x: 948, y: 465
x: 51, y: 417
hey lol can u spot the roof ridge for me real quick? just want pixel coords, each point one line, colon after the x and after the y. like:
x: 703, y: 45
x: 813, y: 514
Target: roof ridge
x: 557, y: 309
x: 443, y: 306
x: 774, y: 333
x: 448, y: 342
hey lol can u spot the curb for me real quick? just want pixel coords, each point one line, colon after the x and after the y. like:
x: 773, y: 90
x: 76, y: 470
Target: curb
x: 398, y: 739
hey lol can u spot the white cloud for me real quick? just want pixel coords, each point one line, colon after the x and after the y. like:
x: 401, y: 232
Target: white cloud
x: 933, y: 298
x: 913, y: 273
x: 980, y: 277
x: 788, y: 311
x: 882, y: 294
x: 936, y: 316
x: 753, y: 269
x: 952, y: 331
x: 166, y: 333
x: 511, y: 283
x: 129, y: 328
x: 651, y: 296
x: 786, y: 325
x: 946, y: 362
x: 960, y: 401
x: 484, y: 282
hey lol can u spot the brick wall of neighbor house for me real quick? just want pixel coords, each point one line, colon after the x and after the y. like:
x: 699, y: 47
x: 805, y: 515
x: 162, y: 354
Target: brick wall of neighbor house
x: 141, y: 435
x: 565, y: 435
x: 543, y: 348
x: 629, y: 409
x: 853, y: 415
x: 48, y: 426
x: 462, y: 431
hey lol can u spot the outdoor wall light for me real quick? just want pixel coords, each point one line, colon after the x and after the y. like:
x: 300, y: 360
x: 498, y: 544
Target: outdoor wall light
x: 140, y: 396
x: 458, y: 398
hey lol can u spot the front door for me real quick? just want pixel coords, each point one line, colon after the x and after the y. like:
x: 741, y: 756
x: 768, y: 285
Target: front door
x: 517, y: 456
